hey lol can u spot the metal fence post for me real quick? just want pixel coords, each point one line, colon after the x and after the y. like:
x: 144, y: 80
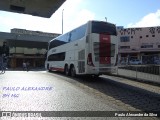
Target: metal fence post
x: 136, y: 72
x: 159, y: 72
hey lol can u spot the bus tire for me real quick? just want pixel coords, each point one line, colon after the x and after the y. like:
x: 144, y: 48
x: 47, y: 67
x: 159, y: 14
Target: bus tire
x: 66, y: 70
x: 96, y: 76
x: 73, y: 71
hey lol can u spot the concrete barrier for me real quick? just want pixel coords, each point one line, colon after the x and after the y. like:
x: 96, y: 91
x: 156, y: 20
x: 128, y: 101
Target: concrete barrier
x: 139, y: 75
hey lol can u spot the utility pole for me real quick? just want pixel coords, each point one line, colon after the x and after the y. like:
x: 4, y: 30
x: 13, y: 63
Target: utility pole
x: 62, y: 21
x: 106, y: 19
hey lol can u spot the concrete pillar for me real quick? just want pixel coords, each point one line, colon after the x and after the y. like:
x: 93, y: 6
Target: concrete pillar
x: 34, y: 63
x: 13, y: 63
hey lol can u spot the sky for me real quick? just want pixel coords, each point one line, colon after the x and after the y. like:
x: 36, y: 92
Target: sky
x: 127, y: 13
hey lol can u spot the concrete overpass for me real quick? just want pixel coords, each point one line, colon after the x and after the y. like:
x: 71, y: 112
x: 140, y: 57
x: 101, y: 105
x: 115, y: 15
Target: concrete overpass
x: 42, y: 8
x: 24, y: 40
x: 26, y: 45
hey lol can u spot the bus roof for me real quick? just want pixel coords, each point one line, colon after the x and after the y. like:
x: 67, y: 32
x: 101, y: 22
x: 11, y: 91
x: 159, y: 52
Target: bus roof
x: 82, y: 25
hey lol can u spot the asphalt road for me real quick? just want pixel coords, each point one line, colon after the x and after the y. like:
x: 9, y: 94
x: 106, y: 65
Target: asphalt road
x: 44, y: 91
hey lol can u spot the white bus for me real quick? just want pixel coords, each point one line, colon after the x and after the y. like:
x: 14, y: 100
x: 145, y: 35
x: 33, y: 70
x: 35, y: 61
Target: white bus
x: 87, y: 50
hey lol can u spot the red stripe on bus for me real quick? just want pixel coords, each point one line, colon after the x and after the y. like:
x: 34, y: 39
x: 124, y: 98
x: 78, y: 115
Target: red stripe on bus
x: 57, y: 69
x: 105, y: 49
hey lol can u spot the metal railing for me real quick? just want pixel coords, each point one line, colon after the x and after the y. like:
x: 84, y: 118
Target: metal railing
x: 149, y: 73
x: 151, y: 69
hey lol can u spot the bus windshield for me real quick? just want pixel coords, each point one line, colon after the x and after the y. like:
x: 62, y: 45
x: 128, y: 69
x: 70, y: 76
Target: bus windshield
x: 103, y: 28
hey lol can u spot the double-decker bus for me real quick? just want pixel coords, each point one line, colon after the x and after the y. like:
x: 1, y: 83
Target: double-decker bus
x: 87, y: 50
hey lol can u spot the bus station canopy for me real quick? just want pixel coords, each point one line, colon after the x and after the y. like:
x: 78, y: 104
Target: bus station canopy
x: 41, y: 8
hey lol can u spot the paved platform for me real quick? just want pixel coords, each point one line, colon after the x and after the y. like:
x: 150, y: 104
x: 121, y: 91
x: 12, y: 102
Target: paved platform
x: 152, y: 89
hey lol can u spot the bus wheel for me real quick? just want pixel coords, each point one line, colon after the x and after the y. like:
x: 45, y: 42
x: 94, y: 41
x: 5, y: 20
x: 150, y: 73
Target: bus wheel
x: 96, y: 76
x: 66, y: 70
x: 73, y: 71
